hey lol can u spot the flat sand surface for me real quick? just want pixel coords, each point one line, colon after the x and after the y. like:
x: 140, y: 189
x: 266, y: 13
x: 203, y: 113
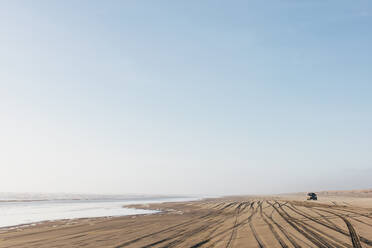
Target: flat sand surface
x: 286, y: 221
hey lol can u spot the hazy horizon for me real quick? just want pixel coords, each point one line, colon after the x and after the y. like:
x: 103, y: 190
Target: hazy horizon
x: 189, y: 97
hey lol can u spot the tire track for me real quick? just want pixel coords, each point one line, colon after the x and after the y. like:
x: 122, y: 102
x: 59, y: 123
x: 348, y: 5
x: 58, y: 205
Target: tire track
x: 259, y: 241
x: 274, y: 232
x: 340, y: 242
x: 337, y: 229
x: 324, y: 217
x: 174, y: 227
x: 286, y: 234
x: 253, y: 229
x: 224, y: 233
x: 233, y: 233
x: 327, y: 218
x: 201, y: 243
x: 350, y: 211
x: 326, y: 239
x: 208, y: 226
x: 355, y: 239
x: 353, y: 234
x: 181, y: 237
x: 309, y: 217
x: 310, y: 236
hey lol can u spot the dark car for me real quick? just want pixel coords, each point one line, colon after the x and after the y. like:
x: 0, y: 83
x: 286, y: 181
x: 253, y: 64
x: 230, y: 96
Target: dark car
x: 312, y: 196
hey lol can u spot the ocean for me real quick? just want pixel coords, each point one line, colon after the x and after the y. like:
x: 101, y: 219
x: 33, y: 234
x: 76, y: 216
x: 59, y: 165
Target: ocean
x: 19, y: 212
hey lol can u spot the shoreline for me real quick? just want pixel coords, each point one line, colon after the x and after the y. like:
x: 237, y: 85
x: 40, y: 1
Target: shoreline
x: 219, y: 222
x: 129, y: 208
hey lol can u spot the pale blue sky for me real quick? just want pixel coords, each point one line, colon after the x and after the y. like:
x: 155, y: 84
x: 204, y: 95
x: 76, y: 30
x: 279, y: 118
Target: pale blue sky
x: 193, y: 97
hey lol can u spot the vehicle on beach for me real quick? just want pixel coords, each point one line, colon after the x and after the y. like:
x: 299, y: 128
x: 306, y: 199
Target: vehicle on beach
x: 312, y: 196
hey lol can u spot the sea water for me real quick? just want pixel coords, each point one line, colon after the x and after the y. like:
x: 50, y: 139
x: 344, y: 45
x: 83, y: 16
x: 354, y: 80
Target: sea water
x: 14, y: 213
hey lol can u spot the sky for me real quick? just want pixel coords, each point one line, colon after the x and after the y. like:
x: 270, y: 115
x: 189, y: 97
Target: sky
x: 185, y: 97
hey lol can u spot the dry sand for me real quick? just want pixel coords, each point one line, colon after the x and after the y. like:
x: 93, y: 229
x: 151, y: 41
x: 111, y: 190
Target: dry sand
x: 285, y: 221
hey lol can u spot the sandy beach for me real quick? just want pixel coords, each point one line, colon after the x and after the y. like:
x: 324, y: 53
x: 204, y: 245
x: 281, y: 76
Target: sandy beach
x: 285, y: 221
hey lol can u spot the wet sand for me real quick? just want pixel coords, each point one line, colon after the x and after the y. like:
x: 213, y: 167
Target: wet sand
x: 286, y: 221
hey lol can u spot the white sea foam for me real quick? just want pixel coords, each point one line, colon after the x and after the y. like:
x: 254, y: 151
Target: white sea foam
x: 24, y: 212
